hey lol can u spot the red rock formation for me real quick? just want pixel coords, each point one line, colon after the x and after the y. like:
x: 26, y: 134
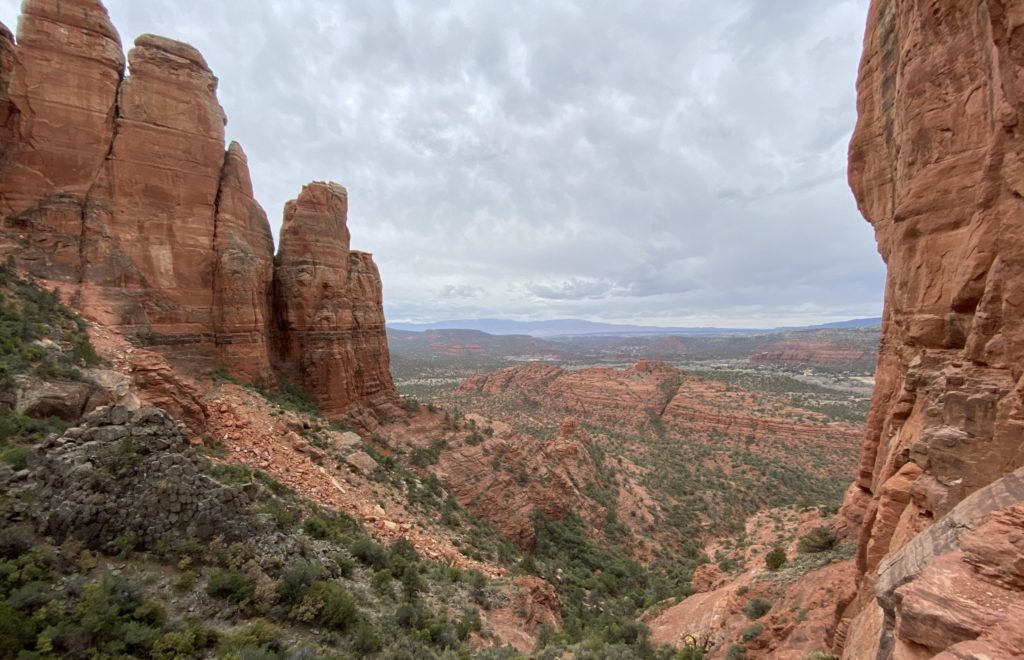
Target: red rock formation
x: 330, y: 323
x: 653, y: 390
x: 243, y: 273
x: 551, y: 477
x: 162, y: 179
x: 9, y: 118
x: 830, y: 355
x: 62, y: 88
x: 935, y: 164
x: 121, y: 186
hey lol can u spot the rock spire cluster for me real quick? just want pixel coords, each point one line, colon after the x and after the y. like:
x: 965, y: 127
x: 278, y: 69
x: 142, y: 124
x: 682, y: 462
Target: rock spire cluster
x: 115, y: 177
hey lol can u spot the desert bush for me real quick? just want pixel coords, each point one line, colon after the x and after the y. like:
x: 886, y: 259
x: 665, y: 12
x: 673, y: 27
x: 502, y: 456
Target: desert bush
x: 736, y: 652
x: 775, y: 559
x: 752, y: 632
x: 232, y: 585
x: 370, y: 553
x: 259, y: 639
x: 756, y: 607
x: 296, y: 581
x: 818, y: 539
x: 365, y: 639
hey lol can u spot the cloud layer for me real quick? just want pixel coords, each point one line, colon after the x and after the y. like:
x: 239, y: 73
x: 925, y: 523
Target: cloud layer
x: 662, y: 162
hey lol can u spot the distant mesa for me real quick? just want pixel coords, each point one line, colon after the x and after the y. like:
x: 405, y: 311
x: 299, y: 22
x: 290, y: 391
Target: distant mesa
x: 578, y: 327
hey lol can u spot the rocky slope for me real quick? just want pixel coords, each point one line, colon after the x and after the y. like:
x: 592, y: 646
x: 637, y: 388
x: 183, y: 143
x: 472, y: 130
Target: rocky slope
x: 680, y: 458
x: 935, y: 166
x: 118, y: 182
x: 652, y: 392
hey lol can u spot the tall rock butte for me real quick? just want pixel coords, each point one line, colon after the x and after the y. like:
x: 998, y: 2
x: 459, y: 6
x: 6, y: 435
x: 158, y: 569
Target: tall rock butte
x: 937, y: 167
x: 121, y: 184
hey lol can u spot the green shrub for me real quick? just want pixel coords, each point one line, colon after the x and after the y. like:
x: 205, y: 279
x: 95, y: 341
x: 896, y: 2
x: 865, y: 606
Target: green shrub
x: 259, y: 639
x: 381, y: 582
x: 232, y: 585
x: 756, y: 607
x: 26, y: 430
x: 736, y: 652
x: 339, y: 611
x: 404, y: 548
x: 346, y: 566
x: 369, y: 553
x: 187, y: 643
x: 16, y: 631
x: 469, y: 623
x: 775, y: 559
x: 16, y: 540
x: 752, y: 632
x: 16, y: 456
x: 290, y: 397
x: 231, y: 474
x: 333, y: 527
x: 819, y: 539
x: 365, y: 639
x: 296, y: 581
x: 221, y: 375
x: 424, y: 456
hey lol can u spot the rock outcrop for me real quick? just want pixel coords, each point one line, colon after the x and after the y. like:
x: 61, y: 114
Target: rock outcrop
x: 118, y: 182
x: 330, y: 322
x: 152, y: 484
x: 935, y: 165
x: 655, y: 391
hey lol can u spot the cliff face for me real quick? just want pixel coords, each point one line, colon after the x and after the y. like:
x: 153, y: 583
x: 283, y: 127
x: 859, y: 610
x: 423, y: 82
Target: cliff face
x: 935, y: 165
x: 330, y: 321
x: 121, y: 185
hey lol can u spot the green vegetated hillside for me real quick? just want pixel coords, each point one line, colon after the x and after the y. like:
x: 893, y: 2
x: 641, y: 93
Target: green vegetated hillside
x: 121, y: 540
x: 702, y: 485
x: 41, y: 340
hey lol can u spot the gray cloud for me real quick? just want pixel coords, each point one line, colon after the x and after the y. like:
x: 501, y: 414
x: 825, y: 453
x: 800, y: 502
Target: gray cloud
x: 665, y: 161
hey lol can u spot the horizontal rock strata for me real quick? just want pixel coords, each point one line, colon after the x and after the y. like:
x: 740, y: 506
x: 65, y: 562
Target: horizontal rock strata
x: 118, y: 180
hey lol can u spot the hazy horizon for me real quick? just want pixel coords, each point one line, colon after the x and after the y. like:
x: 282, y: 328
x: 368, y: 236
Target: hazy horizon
x: 664, y: 164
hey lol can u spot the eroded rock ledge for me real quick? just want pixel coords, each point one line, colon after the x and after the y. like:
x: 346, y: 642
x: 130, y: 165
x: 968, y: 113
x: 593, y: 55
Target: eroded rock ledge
x: 121, y: 184
x: 935, y: 165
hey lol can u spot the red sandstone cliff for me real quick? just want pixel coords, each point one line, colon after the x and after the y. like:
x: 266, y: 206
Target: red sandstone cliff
x: 120, y: 184
x: 935, y: 164
x: 327, y: 298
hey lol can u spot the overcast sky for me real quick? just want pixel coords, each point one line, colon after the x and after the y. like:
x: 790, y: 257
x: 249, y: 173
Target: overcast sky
x: 676, y: 162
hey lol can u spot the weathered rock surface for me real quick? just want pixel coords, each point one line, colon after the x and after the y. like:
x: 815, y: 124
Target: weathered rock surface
x: 653, y: 390
x: 122, y: 472
x: 504, y: 476
x: 935, y: 164
x: 118, y: 182
x: 328, y: 304
x: 243, y: 273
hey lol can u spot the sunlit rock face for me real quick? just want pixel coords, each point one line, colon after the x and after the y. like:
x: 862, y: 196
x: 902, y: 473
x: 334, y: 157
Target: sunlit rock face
x: 115, y: 178
x: 936, y: 167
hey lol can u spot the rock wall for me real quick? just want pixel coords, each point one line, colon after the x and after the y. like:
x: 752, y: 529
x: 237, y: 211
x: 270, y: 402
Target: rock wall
x: 123, y: 471
x: 120, y: 183
x: 935, y: 164
x: 330, y: 321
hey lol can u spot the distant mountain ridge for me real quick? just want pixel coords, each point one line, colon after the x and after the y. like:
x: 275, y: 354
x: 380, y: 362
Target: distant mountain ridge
x: 578, y: 327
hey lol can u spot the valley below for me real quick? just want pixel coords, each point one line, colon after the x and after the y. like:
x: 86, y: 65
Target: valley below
x: 692, y: 465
